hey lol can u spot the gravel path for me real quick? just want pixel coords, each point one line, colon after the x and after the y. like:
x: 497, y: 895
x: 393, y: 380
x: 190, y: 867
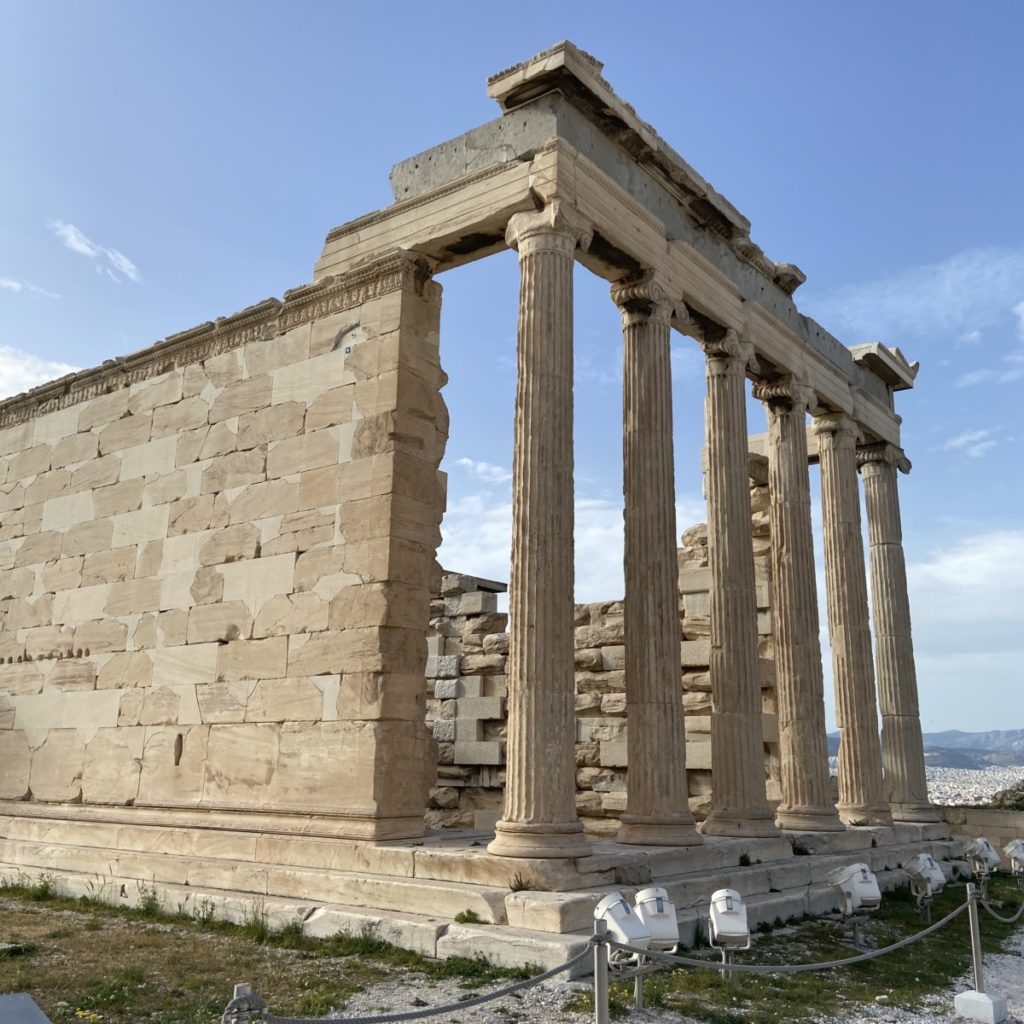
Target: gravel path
x: 1004, y: 975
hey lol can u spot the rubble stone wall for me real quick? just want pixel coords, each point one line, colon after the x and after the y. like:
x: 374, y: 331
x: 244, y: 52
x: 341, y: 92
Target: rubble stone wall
x: 466, y: 687
x: 215, y: 562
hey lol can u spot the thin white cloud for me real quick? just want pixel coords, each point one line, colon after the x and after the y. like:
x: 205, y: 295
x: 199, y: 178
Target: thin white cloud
x: 966, y: 603
x: 973, y: 443
x: 959, y: 297
x: 8, y: 284
x: 979, y: 579
x: 477, y: 539
x: 486, y: 471
x: 972, y: 377
x: 111, y: 262
x: 20, y: 371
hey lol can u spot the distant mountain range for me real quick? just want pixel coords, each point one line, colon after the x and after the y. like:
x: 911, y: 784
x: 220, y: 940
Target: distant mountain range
x: 956, y: 749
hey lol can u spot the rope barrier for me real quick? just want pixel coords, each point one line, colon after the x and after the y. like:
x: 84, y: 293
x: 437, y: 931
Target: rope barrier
x: 1005, y: 920
x: 433, y: 1011
x: 671, y: 960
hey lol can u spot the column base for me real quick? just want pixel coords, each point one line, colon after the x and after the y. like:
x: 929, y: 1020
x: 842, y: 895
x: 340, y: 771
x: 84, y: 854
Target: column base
x: 541, y: 839
x: 741, y: 824
x: 675, y: 830
x: 923, y: 813
x: 850, y: 814
x: 809, y: 819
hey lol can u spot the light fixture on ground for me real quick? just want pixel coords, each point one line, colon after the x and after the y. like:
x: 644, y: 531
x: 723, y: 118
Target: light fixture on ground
x: 727, y: 925
x: 984, y: 860
x: 658, y: 914
x: 624, y: 926
x: 857, y: 888
x: 1014, y: 849
x: 926, y: 881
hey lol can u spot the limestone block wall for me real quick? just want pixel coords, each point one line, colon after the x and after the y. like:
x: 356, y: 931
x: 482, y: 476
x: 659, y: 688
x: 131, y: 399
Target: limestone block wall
x: 215, y: 560
x: 466, y: 687
x: 996, y: 825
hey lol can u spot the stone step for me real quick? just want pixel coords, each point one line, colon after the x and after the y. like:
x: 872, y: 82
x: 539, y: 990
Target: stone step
x: 419, y: 896
x: 432, y: 858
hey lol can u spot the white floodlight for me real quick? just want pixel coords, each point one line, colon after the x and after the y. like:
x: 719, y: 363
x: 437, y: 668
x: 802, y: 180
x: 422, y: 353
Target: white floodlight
x: 858, y: 890
x: 926, y: 880
x: 1015, y: 851
x: 728, y: 929
x: 843, y: 881
x: 624, y: 926
x: 728, y: 920
x: 982, y: 856
x: 658, y: 915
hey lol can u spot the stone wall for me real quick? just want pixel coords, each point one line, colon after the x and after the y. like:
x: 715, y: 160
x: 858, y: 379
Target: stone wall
x: 215, y: 561
x: 997, y: 826
x: 466, y: 689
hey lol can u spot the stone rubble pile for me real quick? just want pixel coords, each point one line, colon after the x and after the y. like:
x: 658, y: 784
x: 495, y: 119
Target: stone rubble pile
x: 466, y: 689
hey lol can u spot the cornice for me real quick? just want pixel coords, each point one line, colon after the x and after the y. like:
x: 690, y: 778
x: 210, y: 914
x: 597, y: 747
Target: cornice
x: 396, y: 271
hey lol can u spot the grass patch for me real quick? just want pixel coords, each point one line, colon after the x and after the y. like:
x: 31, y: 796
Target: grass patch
x: 84, y: 960
x: 906, y: 976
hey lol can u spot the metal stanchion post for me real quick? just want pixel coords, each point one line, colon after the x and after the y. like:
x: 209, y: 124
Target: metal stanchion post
x: 972, y: 911
x: 601, y: 971
x: 978, y: 1004
x: 638, y: 992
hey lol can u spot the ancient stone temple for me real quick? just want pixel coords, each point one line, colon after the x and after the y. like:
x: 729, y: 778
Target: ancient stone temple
x: 218, y: 555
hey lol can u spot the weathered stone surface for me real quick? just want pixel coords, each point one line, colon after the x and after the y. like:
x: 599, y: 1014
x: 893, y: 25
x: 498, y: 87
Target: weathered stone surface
x: 128, y: 669
x: 57, y: 766
x: 112, y: 766
x: 16, y: 759
x: 73, y: 674
x: 244, y: 397
x: 252, y: 659
x: 225, y: 621
x: 231, y: 545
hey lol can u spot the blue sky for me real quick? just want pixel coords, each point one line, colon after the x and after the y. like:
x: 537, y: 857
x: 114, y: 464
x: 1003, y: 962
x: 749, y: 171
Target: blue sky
x: 165, y: 164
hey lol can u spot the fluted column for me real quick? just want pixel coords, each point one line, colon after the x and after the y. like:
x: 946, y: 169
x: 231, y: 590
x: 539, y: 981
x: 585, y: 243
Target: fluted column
x: 902, y: 746
x: 800, y: 689
x: 861, y: 794
x: 539, y: 818
x: 739, y: 806
x: 657, y: 808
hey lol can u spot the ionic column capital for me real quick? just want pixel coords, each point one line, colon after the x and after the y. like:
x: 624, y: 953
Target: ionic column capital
x: 643, y: 300
x: 786, y: 393
x: 838, y: 425
x: 728, y: 353
x: 882, y: 453
x: 558, y: 227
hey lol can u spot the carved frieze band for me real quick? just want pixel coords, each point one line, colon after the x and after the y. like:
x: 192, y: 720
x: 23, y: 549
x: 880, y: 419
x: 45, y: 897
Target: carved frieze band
x: 395, y: 272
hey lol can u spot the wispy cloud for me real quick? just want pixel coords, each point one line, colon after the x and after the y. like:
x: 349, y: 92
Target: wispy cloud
x: 959, y: 297
x: 8, y: 284
x: 972, y: 377
x: 973, y: 443
x: 20, y: 371
x: 111, y: 262
x: 487, y: 471
x: 477, y: 532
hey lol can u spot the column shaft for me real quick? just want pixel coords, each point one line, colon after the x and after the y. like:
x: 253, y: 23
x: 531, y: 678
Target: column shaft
x: 739, y: 805
x: 657, y: 807
x: 806, y: 797
x: 861, y: 794
x: 539, y: 818
x: 902, y: 746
